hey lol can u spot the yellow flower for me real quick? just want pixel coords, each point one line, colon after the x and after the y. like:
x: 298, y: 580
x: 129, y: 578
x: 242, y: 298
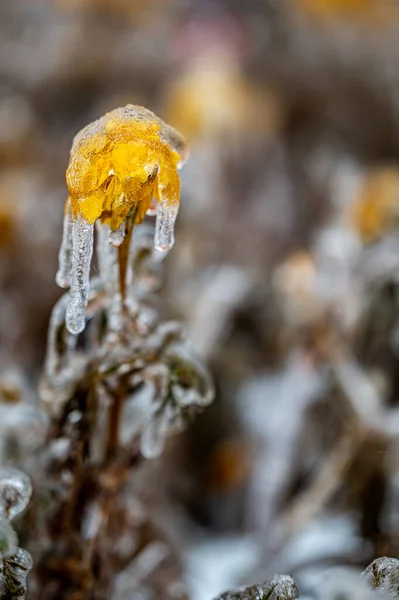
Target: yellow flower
x: 127, y: 157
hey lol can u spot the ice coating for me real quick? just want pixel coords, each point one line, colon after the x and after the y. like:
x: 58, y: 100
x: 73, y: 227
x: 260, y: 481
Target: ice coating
x: 165, y: 225
x: 65, y: 254
x: 15, y: 492
x: 82, y: 239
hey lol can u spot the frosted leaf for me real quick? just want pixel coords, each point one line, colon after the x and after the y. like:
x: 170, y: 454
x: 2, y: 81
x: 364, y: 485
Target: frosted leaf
x: 8, y: 540
x: 63, y: 276
x: 154, y: 435
x: 15, y: 491
x: 279, y: 587
x: 165, y: 225
x: 191, y: 382
x: 383, y: 575
x: 13, y: 573
x: 116, y: 237
x: 82, y: 233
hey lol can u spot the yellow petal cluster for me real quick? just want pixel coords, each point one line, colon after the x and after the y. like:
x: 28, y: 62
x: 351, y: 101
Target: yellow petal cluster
x: 125, y: 158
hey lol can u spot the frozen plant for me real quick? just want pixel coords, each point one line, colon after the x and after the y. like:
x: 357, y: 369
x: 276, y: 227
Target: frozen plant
x: 116, y: 393
x: 121, y: 166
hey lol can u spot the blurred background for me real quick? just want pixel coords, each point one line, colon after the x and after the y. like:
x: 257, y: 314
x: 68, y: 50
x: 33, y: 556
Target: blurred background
x: 285, y: 268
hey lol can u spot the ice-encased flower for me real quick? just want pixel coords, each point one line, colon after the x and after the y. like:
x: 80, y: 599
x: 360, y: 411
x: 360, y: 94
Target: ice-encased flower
x: 126, y: 159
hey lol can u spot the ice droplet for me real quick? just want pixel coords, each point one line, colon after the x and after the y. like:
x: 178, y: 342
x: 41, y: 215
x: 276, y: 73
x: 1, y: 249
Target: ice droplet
x: 8, y: 540
x: 63, y: 276
x: 82, y: 236
x: 116, y: 237
x: 165, y: 225
x: 154, y: 435
x: 15, y: 491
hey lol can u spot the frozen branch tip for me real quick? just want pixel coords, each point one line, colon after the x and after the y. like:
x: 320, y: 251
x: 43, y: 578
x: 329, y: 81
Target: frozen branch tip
x: 125, y: 163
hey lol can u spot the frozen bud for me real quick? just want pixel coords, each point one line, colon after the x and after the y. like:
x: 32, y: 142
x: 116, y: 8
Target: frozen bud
x: 15, y: 492
x: 383, y: 575
x: 279, y: 587
x: 8, y: 540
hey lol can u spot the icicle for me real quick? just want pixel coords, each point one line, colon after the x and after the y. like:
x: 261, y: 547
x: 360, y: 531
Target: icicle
x: 82, y: 234
x: 15, y: 492
x: 63, y: 275
x: 165, y: 225
x: 116, y: 237
x: 107, y: 256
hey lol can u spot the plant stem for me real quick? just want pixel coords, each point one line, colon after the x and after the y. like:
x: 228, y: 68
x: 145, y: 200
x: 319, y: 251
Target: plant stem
x: 123, y: 256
